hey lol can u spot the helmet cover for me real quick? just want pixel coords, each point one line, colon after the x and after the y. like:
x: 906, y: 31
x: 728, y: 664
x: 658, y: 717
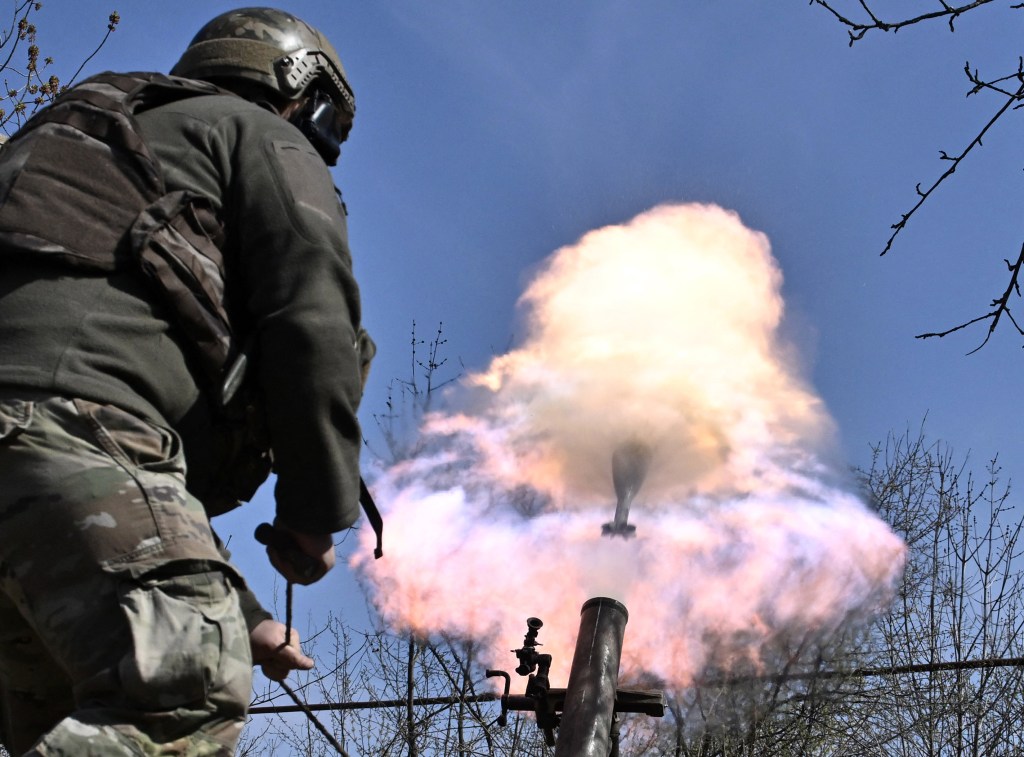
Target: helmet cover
x: 271, y: 47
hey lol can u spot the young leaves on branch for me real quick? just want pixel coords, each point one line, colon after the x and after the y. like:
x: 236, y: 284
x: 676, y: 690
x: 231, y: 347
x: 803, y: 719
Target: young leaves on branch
x: 28, y: 81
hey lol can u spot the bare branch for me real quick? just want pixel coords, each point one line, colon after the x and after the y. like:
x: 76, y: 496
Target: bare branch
x: 112, y: 21
x: 954, y: 162
x: 27, y: 88
x: 1000, y: 304
x: 980, y: 84
x: 857, y: 29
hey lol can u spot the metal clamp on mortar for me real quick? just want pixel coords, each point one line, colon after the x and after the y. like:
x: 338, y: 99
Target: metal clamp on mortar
x: 589, y: 707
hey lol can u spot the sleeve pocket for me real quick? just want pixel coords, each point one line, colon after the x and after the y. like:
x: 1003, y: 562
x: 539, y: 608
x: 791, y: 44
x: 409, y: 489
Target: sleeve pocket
x: 303, y: 177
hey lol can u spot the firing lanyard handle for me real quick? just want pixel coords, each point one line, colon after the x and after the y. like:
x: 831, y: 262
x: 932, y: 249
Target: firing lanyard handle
x: 283, y: 543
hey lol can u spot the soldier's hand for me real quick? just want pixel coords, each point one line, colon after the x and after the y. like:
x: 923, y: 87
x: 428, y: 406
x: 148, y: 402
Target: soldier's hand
x: 269, y: 650
x: 300, y: 558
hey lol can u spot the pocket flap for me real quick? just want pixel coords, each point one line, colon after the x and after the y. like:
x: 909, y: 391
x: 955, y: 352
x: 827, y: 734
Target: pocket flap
x: 15, y: 415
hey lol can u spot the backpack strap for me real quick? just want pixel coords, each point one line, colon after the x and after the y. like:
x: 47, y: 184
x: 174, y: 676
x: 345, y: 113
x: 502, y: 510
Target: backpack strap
x: 373, y: 516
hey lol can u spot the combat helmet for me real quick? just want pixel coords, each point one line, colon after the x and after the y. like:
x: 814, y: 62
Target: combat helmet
x: 283, y: 54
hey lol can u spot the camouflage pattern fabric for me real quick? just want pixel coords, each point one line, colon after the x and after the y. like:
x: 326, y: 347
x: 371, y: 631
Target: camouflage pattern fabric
x: 120, y: 629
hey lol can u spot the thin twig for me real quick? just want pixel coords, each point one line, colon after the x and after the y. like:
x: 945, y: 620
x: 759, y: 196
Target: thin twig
x: 857, y: 29
x: 954, y: 162
x: 1001, y: 305
x: 112, y: 21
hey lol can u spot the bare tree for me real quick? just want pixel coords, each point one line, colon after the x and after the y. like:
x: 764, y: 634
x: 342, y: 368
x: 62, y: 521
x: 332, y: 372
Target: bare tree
x: 933, y: 677
x: 1005, y: 90
x: 942, y: 673
x: 957, y: 620
x: 381, y: 693
x: 410, y: 398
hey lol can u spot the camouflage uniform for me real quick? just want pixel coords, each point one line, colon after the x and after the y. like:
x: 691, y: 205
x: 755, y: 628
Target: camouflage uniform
x: 119, y: 616
x: 102, y: 541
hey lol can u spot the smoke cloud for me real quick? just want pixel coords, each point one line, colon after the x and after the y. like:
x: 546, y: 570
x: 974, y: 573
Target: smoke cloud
x: 664, y: 331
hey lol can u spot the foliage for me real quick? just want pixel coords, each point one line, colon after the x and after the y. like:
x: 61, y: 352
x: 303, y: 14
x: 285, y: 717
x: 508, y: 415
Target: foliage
x: 28, y: 78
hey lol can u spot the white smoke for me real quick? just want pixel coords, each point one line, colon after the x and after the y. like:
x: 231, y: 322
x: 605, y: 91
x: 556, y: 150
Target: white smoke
x: 663, y: 330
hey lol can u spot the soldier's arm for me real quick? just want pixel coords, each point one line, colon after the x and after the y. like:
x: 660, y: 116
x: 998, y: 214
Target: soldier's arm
x: 302, y: 301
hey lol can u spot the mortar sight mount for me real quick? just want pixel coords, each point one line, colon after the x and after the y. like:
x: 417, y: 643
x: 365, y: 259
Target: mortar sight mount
x: 586, y: 712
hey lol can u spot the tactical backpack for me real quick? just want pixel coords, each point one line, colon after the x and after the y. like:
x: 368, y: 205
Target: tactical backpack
x: 93, y: 197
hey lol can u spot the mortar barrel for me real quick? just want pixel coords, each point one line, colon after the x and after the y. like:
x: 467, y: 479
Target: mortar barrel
x: 586, y: 727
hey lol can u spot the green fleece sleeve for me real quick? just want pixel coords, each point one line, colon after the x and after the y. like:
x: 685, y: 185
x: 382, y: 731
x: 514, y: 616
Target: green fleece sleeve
x: 302, y: 303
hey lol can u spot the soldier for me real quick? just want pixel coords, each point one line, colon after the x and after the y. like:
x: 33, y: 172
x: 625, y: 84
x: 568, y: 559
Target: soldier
x: 177, y: 311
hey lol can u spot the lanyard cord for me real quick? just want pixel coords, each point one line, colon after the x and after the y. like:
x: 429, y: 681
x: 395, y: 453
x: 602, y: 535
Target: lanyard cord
x: 288, y: 690
x: 266, y: 534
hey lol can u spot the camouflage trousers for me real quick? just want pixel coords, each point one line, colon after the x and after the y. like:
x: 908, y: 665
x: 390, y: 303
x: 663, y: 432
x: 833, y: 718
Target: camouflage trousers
x: 120, y: 629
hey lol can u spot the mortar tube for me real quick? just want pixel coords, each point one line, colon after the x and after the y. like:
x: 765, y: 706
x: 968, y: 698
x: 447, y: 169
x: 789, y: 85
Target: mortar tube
x: 586, y: 728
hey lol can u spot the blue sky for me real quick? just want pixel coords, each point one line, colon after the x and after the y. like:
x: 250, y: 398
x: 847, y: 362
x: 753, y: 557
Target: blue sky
x: 490, y: 134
